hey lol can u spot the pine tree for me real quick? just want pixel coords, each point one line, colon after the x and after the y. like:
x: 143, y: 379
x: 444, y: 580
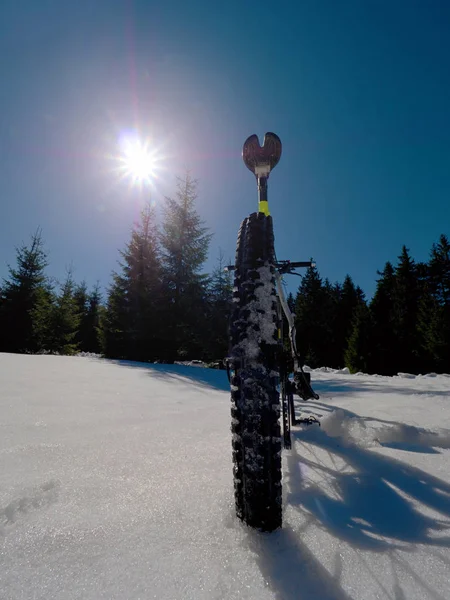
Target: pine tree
x: 185, y: 242
x: 132, y: 324
x: 25, y: 300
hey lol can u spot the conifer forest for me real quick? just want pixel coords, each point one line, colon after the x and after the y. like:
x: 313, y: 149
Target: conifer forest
x: 161, y: 306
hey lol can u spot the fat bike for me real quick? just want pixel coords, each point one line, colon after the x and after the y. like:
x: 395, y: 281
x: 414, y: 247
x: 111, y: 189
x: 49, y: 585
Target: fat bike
x: 264, y: 374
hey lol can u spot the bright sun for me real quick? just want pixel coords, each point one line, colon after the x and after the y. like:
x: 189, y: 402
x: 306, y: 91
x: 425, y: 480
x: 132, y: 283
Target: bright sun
x: 137, y: 160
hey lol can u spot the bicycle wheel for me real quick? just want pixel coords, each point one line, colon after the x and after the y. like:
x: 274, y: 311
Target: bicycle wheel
x: 255, y: 410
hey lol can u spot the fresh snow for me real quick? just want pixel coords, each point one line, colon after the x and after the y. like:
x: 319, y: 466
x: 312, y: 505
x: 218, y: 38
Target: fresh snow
x: 116, y: 483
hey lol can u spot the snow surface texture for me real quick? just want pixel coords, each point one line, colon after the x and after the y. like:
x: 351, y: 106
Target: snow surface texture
x: 116, y: 483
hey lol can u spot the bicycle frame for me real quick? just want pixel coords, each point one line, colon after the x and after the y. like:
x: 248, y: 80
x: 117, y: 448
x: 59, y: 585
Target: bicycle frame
x: 302, y: 381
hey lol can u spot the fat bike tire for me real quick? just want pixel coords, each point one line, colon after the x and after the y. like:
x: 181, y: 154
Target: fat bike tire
x: 255, y: 400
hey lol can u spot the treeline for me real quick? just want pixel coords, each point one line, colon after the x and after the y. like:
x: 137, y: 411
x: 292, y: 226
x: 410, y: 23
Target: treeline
x: 159, y: 307
x: 405, y: 327
x: 38, y: 314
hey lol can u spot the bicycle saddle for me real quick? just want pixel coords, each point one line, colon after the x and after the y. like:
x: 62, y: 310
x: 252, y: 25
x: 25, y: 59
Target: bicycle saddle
x: 261, y: 159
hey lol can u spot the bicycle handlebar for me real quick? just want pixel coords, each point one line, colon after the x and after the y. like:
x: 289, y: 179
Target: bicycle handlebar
x: 284, y: 266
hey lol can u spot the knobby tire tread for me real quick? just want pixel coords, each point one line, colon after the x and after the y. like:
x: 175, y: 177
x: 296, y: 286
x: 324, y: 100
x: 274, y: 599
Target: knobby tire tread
x: 255, y: 409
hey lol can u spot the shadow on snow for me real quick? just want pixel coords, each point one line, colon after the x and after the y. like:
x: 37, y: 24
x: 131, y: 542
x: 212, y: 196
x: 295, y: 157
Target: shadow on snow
x: 212, y: 378
x: 372, y: 507
x: 378, y: 386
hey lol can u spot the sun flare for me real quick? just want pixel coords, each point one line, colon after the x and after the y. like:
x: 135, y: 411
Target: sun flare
x: 137, y: 160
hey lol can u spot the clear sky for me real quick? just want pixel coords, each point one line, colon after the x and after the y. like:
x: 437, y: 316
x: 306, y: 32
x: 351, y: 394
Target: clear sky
x: 357, y: 90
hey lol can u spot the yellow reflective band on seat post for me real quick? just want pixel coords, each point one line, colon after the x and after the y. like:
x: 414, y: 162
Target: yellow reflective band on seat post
x: 263, y: 207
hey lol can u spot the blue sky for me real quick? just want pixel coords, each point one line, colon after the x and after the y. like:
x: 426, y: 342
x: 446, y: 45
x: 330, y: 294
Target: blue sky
x: 357, y: 90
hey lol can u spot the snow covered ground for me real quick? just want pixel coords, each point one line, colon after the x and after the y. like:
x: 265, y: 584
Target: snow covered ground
x: 116, y: 483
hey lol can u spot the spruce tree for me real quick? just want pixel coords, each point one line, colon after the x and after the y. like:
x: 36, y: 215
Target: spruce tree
x: 89, y: 308
x: 114, y: 332
x: 314, y: 328
x: 405, y: 313
x: 80, y: 297
x: 383, y: 341
x: 26, y: 299
x: 439, y: 271
x: 185, y: 242
x: 64, y: 320
x: 333, y: 352
x: 349, y: 299
x: 291, y: 302
x: 132, y: 318
x: 358, y: 353
x: 434, y: 309
x: 434, y: 335
x: 220, y: 293
x: 92, y: 321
